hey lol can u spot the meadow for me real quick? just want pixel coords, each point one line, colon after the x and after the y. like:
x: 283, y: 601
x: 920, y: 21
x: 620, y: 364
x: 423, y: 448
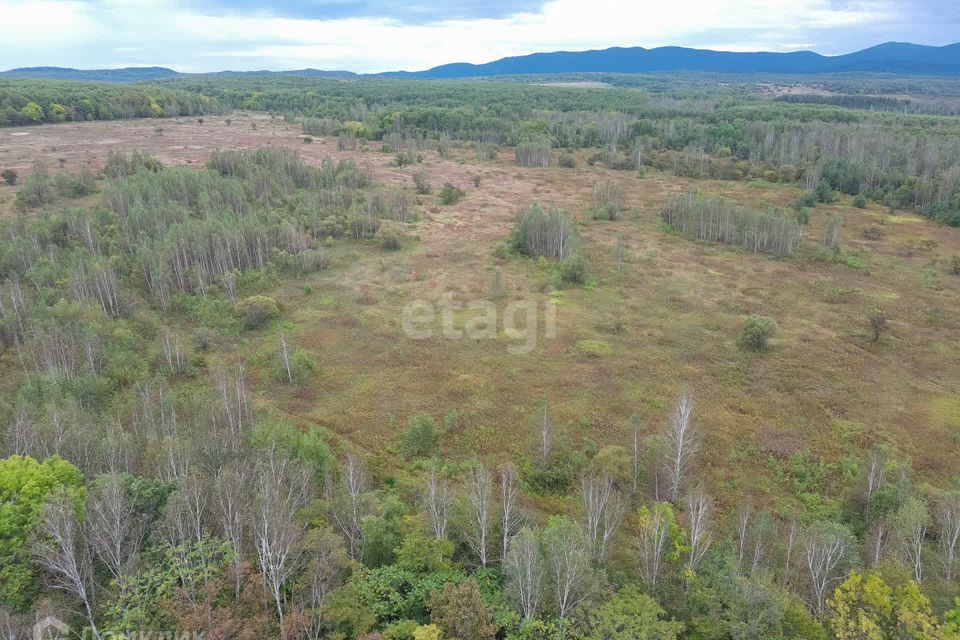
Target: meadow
x: 278, y: 291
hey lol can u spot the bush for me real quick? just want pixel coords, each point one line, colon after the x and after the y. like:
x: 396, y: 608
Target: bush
x: 421, y: 437
x: 256, y: 311
x: 756, y: 332
x: 550, y: 234
x: 567, y: 161
x: 573, y: 270
x: 9, y: 177
x: 307, y: 139
x: 420, y: 183
x: 859, y: 201
x: 390, y: 239
x: 451, y: 194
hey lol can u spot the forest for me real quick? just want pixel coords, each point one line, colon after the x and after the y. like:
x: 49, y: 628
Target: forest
x: 164, y: 329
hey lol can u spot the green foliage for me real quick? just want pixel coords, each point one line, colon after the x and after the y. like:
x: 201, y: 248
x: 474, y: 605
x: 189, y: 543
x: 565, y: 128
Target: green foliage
x: 9, y: 177
x: 256, y: 311
x: 631, y: 615
x: 348, y: 613
x: 428, y: 632
x: 572, y: 270
x: 187, y: 569
x: 556, y: 474
x: 451, y: 194
x: 865, y: 607
x: 420, y: 439
x: 756, y: 333
x: 25, y: 487
x: 859, y: 201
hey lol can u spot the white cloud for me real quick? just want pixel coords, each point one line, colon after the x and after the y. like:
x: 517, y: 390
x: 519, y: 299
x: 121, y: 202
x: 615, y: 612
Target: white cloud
x: 169, y: 33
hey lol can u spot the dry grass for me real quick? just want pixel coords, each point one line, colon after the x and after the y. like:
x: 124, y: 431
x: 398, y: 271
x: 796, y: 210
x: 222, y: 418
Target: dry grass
x: 670, y: 317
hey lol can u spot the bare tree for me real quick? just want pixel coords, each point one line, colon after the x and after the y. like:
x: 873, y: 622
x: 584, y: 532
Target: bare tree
x: 949, y: 523
x: 875, y: 477
x: 568, y: 565
x: 285, y: 358
x: 115, y: 534
x: 231, y: 490
x: 348, y: 507
x: 326, y: 567
x: 524, y: 572
x: 682, y: 442
x: 653, y: 538
x: 877, y: 540
x: 480, y: 503
x: 510, y: 516
x: 636, y: 452
x: 699, y: 526
x: 282, y: 490
x: 437, y: 499
x: 826, y: 549
x: 604, y: 508
x: 64, y: 554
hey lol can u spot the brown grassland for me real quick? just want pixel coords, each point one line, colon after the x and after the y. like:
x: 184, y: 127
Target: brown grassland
x: 626, y: 343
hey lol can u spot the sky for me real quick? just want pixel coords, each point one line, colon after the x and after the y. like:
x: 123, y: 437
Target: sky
x: 387, y: 35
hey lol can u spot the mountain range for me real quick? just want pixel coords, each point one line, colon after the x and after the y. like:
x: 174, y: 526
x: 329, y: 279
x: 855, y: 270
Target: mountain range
x: 892, y: 57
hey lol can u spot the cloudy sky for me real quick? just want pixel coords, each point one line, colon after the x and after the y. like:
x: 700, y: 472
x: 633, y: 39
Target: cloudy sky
x: 382, y: 35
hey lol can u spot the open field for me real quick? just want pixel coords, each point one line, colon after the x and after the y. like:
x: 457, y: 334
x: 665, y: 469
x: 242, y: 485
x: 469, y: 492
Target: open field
x: 626, y: 344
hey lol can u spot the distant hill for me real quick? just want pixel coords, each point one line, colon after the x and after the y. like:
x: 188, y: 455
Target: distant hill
x: 127, y: 74
x: 146, y: 74
x: 892, y: 57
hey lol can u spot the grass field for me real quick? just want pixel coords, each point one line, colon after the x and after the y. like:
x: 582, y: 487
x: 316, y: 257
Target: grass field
x: 626, y: 344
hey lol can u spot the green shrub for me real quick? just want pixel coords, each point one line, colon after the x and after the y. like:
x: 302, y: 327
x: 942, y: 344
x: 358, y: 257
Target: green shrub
x: 756, y: 332
x: 307, y: 139
x: 567, y: 160
x: 573, y: 270
x: 860, y: 201
x: 501, y: 249
x: 955, y: 265
x: 9, y: 177
x: 451, y: 194
x: 421, y: 438
x: 256, y: 311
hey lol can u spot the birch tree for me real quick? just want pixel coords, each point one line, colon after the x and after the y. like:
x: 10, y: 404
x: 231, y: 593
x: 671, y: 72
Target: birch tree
x: 282, y: 489
x: 480, y: 505
x: 510, y: 517
x: 231, y: 504
x: 64, y: 555
x: 827, y: 547
x: 568, y: 566
x: 948, y: 519
x: 524, y: 571
x: 682, y: 442
x: 348, y: 507
x: 699, y: 528
x: 604, y: 508
x: 115, y: 533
